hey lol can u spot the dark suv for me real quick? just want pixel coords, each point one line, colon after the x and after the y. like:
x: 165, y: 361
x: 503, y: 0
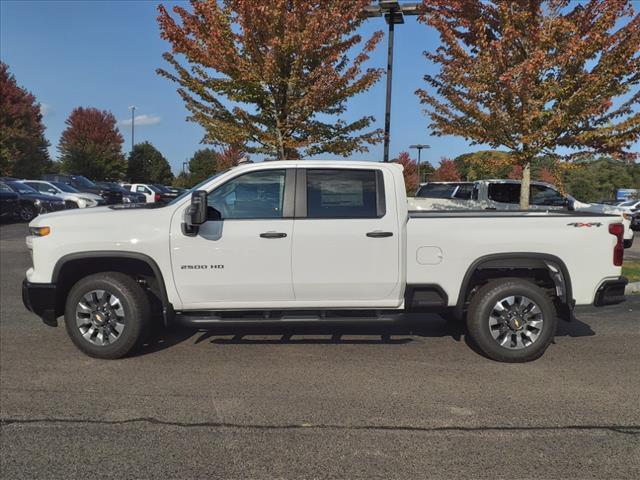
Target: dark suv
x: 83, y: 184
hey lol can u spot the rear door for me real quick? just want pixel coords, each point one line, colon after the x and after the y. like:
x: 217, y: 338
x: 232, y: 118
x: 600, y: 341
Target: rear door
x: 346, y: 238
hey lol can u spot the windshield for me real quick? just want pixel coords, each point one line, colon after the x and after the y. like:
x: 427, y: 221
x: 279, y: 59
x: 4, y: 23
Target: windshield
x: 438, y: 190
x: 4, y: 188
x: 21, y: 188
x: 196, y: 187
x: 65, y: 187
x: 161, y: 188
x: 630, y: 203
x: 84, y: 181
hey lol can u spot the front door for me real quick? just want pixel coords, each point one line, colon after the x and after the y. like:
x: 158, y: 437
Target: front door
x: 243, y: 260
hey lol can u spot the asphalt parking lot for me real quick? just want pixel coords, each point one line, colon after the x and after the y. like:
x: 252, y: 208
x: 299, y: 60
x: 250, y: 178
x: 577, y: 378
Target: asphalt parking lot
x: 400, y: 400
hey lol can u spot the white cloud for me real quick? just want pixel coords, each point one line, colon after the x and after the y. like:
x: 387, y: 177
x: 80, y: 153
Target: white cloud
x: 46, y: 110
x: 141, y: 120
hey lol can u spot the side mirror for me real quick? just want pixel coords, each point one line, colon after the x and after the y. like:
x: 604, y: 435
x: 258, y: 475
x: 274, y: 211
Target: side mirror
x: 196, y: 214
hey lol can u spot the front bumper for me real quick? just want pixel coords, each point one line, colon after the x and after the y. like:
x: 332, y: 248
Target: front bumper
x: 40, y: 298
x: 611, y: 292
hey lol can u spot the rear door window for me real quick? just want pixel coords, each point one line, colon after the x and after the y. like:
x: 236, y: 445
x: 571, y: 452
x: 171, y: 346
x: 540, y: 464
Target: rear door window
x: 342, y: 193
x: 504, y: 192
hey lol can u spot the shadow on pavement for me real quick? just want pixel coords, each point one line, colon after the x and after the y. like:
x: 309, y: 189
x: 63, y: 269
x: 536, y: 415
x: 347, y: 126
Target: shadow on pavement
x: 397, y: 332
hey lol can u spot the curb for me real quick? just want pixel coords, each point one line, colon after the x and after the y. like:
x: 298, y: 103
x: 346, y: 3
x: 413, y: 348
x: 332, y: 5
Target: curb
x: 633, y: 287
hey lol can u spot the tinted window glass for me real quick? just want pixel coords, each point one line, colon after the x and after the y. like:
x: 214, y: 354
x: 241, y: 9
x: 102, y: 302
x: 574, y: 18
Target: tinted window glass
x: 65, y: 187
x: 437, y: 190
x: 504, y: 192
x: 341, y: 194
x: 541, y: 195
x: 464, y: 191
x: 252, y: 195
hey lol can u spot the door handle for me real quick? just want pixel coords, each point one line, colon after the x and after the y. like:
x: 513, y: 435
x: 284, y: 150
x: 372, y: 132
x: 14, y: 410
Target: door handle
x: 273, y: 235
x: 379, y: 234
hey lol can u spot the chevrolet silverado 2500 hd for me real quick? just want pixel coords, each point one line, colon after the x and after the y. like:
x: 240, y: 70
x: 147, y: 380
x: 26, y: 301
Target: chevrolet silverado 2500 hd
x: 275, y: 237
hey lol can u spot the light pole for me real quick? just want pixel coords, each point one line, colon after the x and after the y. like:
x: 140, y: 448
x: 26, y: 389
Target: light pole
x: 394, y: 13
x: 419, y: 147
x: 133, y: 124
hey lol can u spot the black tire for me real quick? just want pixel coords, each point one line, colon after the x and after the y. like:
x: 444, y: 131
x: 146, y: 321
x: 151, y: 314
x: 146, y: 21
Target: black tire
x: 134, y: 302
x: 482, y: 306
x: 26, y: 212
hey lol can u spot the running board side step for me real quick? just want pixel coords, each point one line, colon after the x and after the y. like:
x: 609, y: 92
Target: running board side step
x: 212, y: 319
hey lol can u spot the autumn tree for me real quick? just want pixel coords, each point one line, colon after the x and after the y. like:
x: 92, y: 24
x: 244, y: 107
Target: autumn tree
x: 410, y: 172
x: 147, y: 164
x: 23, y: 147
x: 202, y: 165
x: 273, y: 76
x: 535, y: 75
x: 91, y: 145
x: 446, y: 172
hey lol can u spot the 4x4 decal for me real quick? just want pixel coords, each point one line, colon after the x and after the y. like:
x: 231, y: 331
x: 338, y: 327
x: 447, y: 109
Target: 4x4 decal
x: 581, y: 224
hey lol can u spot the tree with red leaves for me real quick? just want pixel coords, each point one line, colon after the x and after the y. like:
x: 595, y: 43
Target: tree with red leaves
x: 535, y: 75
x: 23, y: 147
x: 447, y: 171
x: 410, y: 172
x: 91, y: 145
x: 272, y: 76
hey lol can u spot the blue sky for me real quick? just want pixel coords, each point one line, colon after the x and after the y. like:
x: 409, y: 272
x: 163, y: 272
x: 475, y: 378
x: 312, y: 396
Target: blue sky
x: 104, y: 54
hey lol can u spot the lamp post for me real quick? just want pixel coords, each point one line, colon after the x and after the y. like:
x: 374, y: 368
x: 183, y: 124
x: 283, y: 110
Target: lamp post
x: 394, y: 13
x: 133, y: 122
x: 419, y: 147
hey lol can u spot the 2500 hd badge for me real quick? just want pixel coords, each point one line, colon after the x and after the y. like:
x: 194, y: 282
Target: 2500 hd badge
x: 201, y: 267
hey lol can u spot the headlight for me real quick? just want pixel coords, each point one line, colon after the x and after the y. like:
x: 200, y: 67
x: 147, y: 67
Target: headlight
x: 37, y: 202
x: 39, y: 231
x: 88, y: 201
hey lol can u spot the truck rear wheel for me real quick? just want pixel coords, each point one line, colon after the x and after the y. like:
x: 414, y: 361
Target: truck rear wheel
x: 512, y: 320
x: 107, y: 314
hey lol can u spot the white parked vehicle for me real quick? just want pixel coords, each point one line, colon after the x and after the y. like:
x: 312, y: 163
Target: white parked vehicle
x: 630, y: 206
x: 504, y: 194
x: 151, y: 192
x: 72, y: 197
x: 272, y: 239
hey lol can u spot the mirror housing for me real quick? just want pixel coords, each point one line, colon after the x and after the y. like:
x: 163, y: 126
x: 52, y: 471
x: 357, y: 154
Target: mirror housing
x: 196, y: 214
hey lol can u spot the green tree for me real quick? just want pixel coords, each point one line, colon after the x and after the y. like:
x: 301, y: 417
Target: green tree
x: 148, y: 165
x: 203, y: 164
x: 599, y: 179
x: 273, y: 76
x: 23, y: 147
x: 91, y: 145
x: 484, y: 164
x: 535, y: 75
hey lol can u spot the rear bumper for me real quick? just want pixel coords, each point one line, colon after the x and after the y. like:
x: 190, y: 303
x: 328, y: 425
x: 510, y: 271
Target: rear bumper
x: 40, y: 298
x: 611, y: 292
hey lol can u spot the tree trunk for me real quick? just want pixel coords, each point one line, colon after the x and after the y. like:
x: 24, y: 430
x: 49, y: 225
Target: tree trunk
x: 525, y: 186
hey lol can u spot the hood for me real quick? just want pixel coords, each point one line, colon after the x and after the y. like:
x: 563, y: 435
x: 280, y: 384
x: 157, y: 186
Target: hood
x: 597, y: 208
x: 8, y: 195
x: 40, y: 196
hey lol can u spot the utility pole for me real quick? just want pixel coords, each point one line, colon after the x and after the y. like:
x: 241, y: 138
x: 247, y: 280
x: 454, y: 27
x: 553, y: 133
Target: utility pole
x: 133, y: 124
x: 394, y: 13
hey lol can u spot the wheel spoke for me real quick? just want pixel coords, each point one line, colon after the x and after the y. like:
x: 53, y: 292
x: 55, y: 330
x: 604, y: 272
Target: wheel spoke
x: 515, y: 322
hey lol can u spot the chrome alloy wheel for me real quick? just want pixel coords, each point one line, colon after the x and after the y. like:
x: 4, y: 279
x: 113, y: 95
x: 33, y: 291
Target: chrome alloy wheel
x: 100, y: 317
x: 516, y: 322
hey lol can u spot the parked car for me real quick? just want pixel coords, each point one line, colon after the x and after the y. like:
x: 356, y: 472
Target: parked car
x: 32, y: 202
x: 167, y: 193
x: 635, y: 221
x: 127, y: 195
x: 9, y: 202
x: 83, y: 184
x: 355, y: 247
x: 72, y: 197
x: 630, y: 206
x: 152, y: 193
x: 504, y: 194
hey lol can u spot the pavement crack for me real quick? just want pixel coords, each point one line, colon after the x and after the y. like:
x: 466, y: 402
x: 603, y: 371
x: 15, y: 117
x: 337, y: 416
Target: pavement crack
x: 621, y: 429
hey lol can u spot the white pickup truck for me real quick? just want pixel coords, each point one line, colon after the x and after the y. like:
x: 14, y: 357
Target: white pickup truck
x: 270, y: 239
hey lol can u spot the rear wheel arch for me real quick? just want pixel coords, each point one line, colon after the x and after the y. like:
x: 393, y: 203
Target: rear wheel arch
x: 545, y: 267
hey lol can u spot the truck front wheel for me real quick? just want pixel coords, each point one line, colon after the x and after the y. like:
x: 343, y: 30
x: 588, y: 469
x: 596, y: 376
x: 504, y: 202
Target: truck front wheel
x: 106, y: 314
x: 512, y: 320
